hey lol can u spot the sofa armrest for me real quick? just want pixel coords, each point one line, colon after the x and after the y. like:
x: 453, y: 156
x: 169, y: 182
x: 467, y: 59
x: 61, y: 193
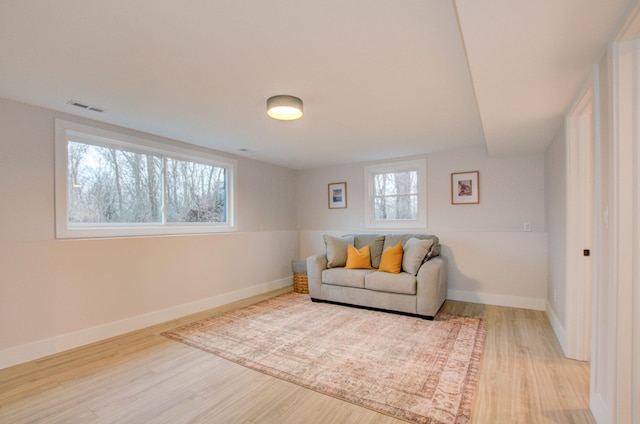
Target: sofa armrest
x: 315, y: 265
x: 431, y: 288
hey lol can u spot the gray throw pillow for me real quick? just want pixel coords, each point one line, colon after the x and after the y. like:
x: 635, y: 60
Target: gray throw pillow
x: 337, y: 250
x: 375, y: 243
x: 415, y: 251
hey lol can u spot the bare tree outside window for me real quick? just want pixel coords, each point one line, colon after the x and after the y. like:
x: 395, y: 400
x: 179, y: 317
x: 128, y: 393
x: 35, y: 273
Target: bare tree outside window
x: 108, y: 185
x: 396, y: 196
x: 195, y: 192
x: 111, y: 186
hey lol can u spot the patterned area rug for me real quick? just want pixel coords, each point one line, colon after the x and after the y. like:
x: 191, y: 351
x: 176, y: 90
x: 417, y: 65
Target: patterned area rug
x: 416, y: 370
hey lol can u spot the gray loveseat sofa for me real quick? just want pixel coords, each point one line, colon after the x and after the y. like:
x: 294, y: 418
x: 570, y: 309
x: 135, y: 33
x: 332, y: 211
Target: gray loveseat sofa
x: 419, y: 289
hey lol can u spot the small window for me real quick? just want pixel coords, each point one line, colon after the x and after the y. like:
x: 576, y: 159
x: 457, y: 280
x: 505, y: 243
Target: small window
x: 110, y: 184
x: 396, y: 195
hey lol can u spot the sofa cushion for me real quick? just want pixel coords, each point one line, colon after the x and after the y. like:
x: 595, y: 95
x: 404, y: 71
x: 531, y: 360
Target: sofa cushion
x: 358, y: 258
x: 415, y: 252
x: 392, y: 239
x: 375, y: 243
x: 391, y: 259
x: 337, y: 250
x: 403, y: 283
x: 345, y: 277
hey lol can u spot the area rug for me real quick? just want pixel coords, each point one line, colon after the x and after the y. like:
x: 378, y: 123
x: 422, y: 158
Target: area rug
x: 416, y: 370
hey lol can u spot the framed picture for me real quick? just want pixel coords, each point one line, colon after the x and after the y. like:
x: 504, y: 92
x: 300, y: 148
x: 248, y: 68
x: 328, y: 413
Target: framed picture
x: 465, y: 188
x: 337, y: 195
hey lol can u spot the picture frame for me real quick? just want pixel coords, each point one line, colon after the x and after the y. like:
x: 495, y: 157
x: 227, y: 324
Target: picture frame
x: 338, y: 195
x: 465, y: 188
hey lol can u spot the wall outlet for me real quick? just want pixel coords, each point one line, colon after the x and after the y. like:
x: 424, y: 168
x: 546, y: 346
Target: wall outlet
x: 526, y: 227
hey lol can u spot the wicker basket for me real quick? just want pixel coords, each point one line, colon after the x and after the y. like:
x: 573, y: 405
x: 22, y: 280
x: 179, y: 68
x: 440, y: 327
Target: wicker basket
x: 300, y: 279
x: 300, y: 283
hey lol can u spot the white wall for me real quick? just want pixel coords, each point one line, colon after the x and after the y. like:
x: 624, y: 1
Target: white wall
x: 57, y: 294
x: 491, y: 259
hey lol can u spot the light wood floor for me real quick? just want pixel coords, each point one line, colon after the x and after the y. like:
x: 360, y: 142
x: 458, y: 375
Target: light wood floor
x: 143, y: 377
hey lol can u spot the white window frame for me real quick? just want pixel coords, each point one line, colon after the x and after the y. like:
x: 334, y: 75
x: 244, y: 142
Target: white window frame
x: 419, y: 165
x: 64, y: 130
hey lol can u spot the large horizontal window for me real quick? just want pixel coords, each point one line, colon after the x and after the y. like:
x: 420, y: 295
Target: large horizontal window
x: 110, y: 184
x: 396, y: 195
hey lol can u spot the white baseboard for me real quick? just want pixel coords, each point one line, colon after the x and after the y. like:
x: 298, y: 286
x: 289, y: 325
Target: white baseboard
x: 41, y: 348
x: 599, y: 409
x: 497, y: 299
x: 557, y: 327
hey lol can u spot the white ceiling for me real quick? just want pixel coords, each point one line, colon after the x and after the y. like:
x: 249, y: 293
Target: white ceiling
x: 379, y: 79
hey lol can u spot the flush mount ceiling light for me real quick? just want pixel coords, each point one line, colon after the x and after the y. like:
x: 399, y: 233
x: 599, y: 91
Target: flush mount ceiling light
x: 284, y: 107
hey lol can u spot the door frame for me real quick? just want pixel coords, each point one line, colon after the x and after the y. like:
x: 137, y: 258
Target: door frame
x: 580, y: 218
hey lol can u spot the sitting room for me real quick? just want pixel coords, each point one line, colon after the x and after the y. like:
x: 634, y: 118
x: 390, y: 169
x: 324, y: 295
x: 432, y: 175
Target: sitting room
x: 319, y: 211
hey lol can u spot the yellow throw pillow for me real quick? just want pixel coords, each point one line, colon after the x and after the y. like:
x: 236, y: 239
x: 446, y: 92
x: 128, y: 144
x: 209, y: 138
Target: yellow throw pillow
x: 358, y: 258
x: 391, y: 260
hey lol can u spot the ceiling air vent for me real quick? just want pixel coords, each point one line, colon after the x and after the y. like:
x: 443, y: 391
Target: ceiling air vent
x: 85, y: 106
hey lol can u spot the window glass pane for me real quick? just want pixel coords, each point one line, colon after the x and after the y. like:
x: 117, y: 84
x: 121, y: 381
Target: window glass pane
x: 108, y: 185
x: 396, y: 207
x: 407, y: 207
x: 380, y: 208
x: 396, y: 195
x: 396, y: 183
x: 196, y: 192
